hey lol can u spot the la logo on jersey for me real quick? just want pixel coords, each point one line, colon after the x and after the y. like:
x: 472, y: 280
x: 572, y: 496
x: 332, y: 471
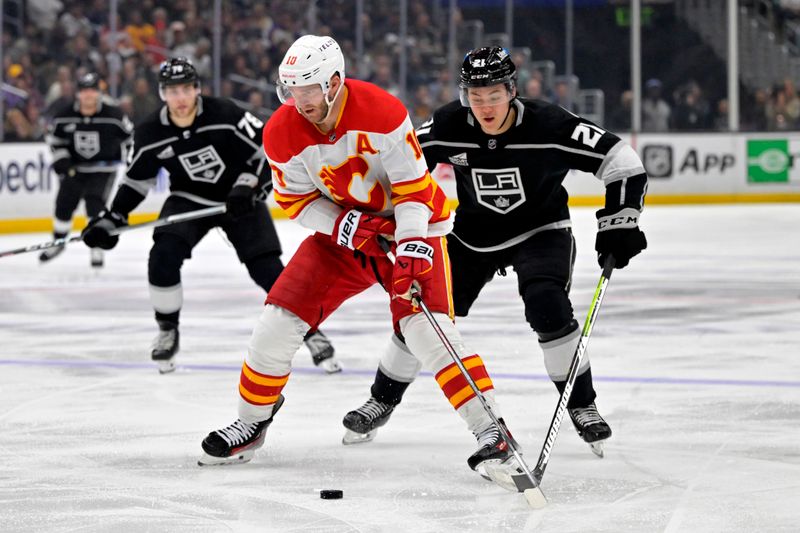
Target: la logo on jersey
x: 498, y: 189
x: 87, y: 143
x: 203, y: 165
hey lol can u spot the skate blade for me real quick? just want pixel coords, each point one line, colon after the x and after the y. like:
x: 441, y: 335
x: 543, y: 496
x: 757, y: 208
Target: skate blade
x: 165, y: 367
x: 503, y: 475
x: 239, y: 458
x: 597, y: 448
x: 330, y: 365
x: 351, y: 437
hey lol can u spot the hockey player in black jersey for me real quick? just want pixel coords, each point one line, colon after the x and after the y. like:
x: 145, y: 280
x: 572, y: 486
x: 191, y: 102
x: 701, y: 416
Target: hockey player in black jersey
x: 86, y: 138
x: 212, y: 151
x: 510, y: 157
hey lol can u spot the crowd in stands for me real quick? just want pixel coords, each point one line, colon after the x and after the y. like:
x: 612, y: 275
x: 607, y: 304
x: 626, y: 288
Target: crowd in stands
x: 61, y: 39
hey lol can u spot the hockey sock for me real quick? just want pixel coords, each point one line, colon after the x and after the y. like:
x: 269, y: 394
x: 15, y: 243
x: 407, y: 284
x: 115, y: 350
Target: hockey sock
x: 582, y: 392
x: 455, y: 385
x: 387, y: 390
x: 260, y: 389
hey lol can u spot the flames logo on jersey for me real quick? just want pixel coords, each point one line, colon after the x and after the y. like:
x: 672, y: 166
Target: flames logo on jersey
x: 498, y: 189
x: 203, y: 165
x: 87, y: 143
x: 348, y: 185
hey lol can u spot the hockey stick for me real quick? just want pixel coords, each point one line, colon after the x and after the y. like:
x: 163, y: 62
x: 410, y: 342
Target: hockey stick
x: 526, y: 482
x: 168, y: 221
x: 580, y: 351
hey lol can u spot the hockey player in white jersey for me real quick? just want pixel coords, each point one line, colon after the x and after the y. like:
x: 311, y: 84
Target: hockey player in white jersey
x: 351, y: 170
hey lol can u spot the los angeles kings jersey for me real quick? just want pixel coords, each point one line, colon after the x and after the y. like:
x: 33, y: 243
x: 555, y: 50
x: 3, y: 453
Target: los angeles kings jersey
x: 510, y: 186
x: 88, y: 143
x: 205, y: 159
x: 370, y: 161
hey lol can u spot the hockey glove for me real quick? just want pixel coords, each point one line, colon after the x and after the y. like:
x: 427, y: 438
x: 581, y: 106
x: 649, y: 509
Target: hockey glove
x: 413, y: 265
x: 359, y: 231
x: 241, y: 199
x: 97, y: 233
x: 618, y: 234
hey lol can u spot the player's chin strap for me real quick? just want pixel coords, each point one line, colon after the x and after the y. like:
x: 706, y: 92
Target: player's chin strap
x: 167, y: 221
x: 329, y: 103
x: 530, y: 482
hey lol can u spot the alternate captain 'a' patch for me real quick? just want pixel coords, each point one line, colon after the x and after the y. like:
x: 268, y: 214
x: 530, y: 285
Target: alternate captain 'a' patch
x: 498, y: 189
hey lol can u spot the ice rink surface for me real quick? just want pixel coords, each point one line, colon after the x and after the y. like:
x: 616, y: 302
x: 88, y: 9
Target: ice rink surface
x: 696, y: 358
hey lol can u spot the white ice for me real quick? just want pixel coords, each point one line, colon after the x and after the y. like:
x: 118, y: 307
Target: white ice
x: 695, y: 357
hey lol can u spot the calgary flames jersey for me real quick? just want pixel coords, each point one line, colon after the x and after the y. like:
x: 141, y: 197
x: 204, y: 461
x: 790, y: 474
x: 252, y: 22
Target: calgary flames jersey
x: 370, y: 161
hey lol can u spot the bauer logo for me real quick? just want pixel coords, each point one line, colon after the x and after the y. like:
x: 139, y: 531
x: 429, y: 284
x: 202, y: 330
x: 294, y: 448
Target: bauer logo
x: 498, y: 189
x: 769, y: 161
x: 203, y: 165
x: 657, y: 159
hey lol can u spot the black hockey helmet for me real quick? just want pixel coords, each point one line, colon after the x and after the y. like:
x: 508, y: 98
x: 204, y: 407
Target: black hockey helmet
x: 90, y: 80
x: 176, y: 71
x: 483, y: 67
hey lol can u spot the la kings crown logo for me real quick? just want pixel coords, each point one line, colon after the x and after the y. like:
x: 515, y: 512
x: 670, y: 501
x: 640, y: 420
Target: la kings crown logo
x: 87, y: 143
x: 498, y: 189
x: 203, y: 165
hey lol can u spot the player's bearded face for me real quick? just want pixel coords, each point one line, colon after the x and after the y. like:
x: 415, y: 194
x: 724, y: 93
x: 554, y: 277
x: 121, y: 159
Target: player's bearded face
x: 310, y: 101
x: 490, y: 105
x: 181, y: 99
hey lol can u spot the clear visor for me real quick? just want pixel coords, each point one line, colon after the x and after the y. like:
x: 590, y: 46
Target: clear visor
x: 487, y: 96
x: 299, y: 95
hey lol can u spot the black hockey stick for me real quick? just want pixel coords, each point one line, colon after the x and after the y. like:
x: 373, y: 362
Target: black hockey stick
x: 524, y: 482
x: 580, y: 351
x: 168, y: 221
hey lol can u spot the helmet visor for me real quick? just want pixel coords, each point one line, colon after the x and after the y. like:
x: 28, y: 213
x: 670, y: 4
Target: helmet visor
x: 491, y: 95
x: 306, y: 94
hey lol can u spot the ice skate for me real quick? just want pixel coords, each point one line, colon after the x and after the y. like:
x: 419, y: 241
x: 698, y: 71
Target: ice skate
x: 322, y: 352
x: 590, y: 427
x: 362, y: 424
x: 96, y: 258
x: 494, y: 460
x: 236, y: 443
x: 51, y: 253
x: 165, y: 346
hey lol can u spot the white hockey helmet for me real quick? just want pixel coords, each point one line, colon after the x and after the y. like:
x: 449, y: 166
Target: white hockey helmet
x: 311, y: 60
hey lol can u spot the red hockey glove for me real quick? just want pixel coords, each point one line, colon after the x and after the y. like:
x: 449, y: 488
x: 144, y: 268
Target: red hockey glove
x: 359, y: 231
x: 413, y: 264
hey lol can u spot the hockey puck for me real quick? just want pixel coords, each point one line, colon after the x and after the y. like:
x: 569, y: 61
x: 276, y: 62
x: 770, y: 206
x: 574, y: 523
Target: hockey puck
x: 331, y: 494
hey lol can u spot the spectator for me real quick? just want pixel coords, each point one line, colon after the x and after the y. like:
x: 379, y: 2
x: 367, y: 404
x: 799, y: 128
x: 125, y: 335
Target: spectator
x: 655, y: 110
x: 620, y: 118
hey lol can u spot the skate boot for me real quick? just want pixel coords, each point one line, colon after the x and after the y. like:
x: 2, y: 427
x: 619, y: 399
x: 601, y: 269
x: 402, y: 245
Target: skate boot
x: 363, y: 423
x: 494, y: 460
x: 590, y: 426
x: 165, y: 346
x: 96, y: 258
x: 238, y: 442
x: 51, y: 253
x: 322, y: 352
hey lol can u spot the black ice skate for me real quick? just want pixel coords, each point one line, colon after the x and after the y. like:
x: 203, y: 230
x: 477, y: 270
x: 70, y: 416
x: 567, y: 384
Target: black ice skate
x: 165, y: 346
x: 96, y: 258
x: 590, y: 426
x: 494, y: 460
x: 238, y: 442
x: 51, y: 253
x: 362, y: 424
x: 322, y: 352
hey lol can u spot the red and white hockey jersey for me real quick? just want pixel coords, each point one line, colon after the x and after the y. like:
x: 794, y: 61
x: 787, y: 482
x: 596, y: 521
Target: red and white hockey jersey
x: 370, y: 161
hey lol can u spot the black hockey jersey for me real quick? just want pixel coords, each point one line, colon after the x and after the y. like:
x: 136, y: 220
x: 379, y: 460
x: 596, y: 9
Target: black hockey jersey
x: 204, y: 160
x: 510, y: 185
x: 88, y: 143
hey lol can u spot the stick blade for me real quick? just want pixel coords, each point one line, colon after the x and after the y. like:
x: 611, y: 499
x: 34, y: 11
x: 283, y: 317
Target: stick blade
x: 535, y: 498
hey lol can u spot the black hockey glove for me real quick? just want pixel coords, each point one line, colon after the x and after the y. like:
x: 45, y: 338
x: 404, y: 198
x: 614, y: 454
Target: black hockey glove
x: 242, y: 198
x: 618, y: 234
x: 97, y: 233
